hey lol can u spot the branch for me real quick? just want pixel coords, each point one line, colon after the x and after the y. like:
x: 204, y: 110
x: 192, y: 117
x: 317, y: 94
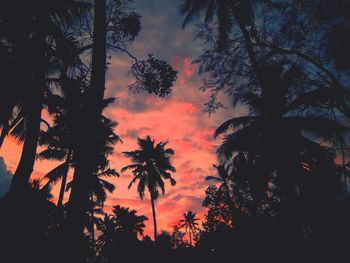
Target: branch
x: 124, y: 51
x: 307, y: 57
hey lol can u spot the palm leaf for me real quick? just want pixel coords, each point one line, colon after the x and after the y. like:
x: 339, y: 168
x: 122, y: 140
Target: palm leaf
x: 213, y: 178
x: 130, y: 167
x: 234, y: 123
x: 56, y: 174
x: 322, y: 127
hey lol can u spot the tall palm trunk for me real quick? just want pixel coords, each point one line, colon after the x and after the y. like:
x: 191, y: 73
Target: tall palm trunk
x: 86, y: 150
x: 33, y: 106
x: 64, y: 180
x: 189, y: 231
x: 26, y: 163
x: 92, y: 218
x: 155, y: 235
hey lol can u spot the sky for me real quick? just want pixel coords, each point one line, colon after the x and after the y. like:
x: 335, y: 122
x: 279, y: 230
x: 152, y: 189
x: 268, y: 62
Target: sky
x: 178, y: 119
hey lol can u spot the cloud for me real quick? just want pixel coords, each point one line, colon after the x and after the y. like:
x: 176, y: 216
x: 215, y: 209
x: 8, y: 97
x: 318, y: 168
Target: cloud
x: 133, y: 105
x: 5, y: 178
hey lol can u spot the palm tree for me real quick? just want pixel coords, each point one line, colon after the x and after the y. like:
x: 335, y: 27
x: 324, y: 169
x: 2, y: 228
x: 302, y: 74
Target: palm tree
x: 151, y: 164
x: 128, y: 221
x: 190, y: 224
x: 62, y: 136
x: 97, y: 196
x: 87, y: 148
x: 99, y: 188
x: 122, y: 224
x: 37, y: 45
x: 114, y: 25
x: 277, y: 133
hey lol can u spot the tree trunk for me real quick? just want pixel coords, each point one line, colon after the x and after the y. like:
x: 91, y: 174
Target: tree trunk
x: 33, y: 108
x: 4, y: 133
x: 64, y: 180
x: 26, y: 163
x: 92, y: 218
x: 87, y: 149
x: 189, y: 231
x: 155, y: 235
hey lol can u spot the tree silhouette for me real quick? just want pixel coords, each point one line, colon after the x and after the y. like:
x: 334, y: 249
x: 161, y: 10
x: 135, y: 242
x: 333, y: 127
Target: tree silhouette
x: 177, y: 238
x: 114, y: 25
x: 151, y: 165
x: 37, y: 31
x: 282, y: 143
x: 219, y: 214
x: 190, y: 224
x: 228, y: 14
x: 62, y: 136
x: 225, y: 178
x: 119, y: 232
x: 98, y: 189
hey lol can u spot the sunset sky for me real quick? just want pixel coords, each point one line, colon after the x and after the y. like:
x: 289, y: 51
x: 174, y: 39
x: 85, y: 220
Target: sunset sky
x: 178, y: 119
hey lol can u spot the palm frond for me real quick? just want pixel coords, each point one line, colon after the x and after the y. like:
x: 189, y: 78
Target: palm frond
x: 52, y: 154
x: 130, y: 167
x: 234, y: 123
x: 213, y: 178
x: 56, y: 174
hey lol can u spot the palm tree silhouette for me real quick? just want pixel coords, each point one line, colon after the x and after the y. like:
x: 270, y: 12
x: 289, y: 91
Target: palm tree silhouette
x: 97, y: 196
x: 277, y: 133
x: 190, y: 224
x: 37, y: 29
x: 128, y: 221
x: 87, y: 146
x: 151, y: 164
x: 61, y: 138
x: 123, y: 223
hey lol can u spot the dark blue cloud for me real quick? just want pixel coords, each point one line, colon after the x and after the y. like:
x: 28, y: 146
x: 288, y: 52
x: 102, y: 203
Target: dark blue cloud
x: 5, y: 178
x: 133, y: 105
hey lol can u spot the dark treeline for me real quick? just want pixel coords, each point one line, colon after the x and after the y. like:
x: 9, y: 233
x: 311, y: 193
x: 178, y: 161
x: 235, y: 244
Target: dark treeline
x: 280, y: 192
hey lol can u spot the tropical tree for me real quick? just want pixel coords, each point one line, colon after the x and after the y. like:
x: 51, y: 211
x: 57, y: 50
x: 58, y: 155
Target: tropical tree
x: 39, y: 40
x: 128, y: 221
x: 114, y: 25
x: 283, y: 142
x: 119, y: 232
x: 97, y: 195
x: 99, y: 188
x: 190, y: 224
x: 151, y: 166
x: 61, y: 137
